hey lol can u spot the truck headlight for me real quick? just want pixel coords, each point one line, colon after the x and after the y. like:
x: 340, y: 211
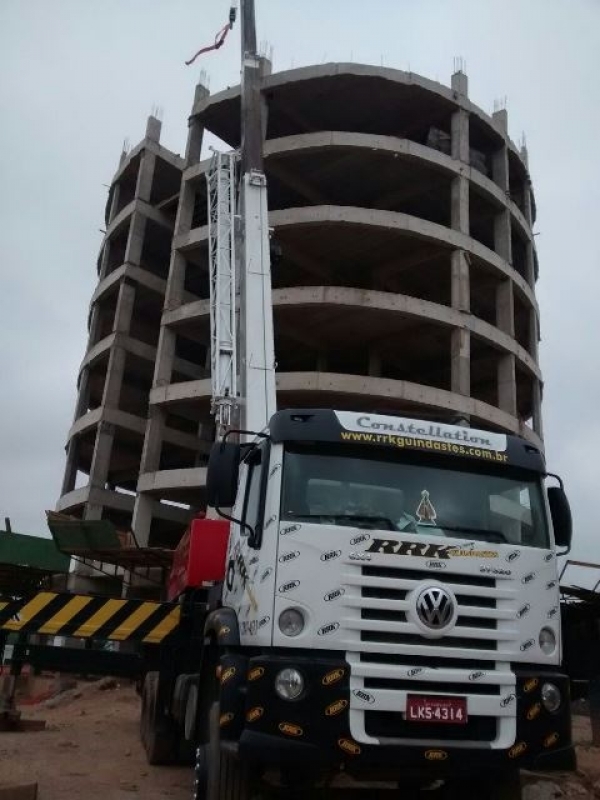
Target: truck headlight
x: 289, y: 684
x: 291, y: 622
x: 547, y: 641
x: 551, y: 697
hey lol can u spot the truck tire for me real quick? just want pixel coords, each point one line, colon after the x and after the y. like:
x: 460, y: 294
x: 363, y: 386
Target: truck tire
x: 187, y: 726
x: 156, y: 729
x: 227, y: 778
x: 208, y: 692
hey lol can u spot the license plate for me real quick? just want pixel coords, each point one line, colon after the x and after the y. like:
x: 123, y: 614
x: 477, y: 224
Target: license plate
x: 443, y: 710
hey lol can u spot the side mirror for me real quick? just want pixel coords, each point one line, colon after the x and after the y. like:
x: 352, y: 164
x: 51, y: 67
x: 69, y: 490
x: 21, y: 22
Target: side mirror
x: 223, y: 474
x: 560, y: 511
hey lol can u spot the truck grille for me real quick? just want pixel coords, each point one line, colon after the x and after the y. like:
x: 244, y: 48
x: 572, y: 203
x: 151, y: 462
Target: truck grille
x: 393, y: 658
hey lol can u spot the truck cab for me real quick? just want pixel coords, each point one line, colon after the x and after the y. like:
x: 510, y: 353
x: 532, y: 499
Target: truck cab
x: 390, y: 607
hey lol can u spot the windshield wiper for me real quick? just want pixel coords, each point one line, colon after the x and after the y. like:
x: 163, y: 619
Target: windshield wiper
x: 351, y: 518
x: 482, y: 533
x: 366, y: 518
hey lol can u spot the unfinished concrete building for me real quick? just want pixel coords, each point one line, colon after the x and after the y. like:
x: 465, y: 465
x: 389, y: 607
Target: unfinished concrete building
x: 405, y: 284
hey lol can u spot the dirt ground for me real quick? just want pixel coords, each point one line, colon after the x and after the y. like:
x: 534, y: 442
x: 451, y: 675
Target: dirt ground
x: 91, y: 750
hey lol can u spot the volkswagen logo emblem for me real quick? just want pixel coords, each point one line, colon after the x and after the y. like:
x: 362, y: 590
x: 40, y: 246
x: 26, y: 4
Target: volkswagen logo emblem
x: 435, y: 607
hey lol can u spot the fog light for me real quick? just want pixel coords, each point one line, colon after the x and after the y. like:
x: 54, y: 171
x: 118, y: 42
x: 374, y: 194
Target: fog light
x: 289, y: 684
x: 551, y: 697
x: 291, y: 622
x: 547, y: 641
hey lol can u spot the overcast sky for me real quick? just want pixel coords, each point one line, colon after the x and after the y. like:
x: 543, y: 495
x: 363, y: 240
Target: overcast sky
x: 77, y: 77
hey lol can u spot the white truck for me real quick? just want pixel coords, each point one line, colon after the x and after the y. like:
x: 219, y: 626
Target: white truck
x: 390, y: 607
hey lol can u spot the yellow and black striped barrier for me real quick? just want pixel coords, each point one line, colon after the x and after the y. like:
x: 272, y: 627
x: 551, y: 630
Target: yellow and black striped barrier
x: 86, y: 617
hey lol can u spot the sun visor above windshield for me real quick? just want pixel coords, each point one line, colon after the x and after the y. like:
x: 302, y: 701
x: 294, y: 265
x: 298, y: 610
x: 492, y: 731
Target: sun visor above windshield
x: 414, y: 430
x: 400, y: 433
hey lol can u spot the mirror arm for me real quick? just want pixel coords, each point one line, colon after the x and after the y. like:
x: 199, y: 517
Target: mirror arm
x: 239, y: 522
x: 558, y: 478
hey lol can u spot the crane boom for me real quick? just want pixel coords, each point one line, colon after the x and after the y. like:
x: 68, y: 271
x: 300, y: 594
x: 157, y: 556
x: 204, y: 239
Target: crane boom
x: 257, y: 363
x: 221, y: 192
x: 242, y: 355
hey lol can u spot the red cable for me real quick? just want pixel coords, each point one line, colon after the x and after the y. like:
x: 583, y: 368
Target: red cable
x: 219, y: 39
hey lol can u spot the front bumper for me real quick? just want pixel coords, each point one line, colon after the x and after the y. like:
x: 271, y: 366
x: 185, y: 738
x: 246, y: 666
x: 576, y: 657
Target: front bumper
x: 315, y: 732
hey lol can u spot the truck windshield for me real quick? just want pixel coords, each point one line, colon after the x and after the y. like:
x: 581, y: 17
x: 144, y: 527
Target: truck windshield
x: 480, y: 502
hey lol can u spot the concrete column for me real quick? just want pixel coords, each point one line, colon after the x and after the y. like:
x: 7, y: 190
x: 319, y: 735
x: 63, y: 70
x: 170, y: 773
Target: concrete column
x: 502, y: 235
x: 460, y: 83
x: 459, y: 192
x: 537, y: 408
x: 460, y: 361
x: 150, y: 462
x: 175, y: 282
x: 70, y: 474
x: 104, y: 261
x: 500, y: 117
x: 185, y: 208
x: 105, y: 432
x: 505, y: 321
x: 124, y: 309
x: 114, y: 377
x: 154, y: 435
x: 72, y: 448
x: 500, y: 173
x: 195, y: 130
x: 152, y: 449
x: 459, y: 204
x: 135, y: 239
x: 459, y: 128
x: 153, y: 128
x: 507, y: 384
x: 505, y: 307
x: 94, y: 325
x: 460, y: 342
x: 142, y: 518
x: 530, y: 264
x: 527, y: 203
x: 99, y: 469
x: 534, y: 334
x: 460, y: 276
x: 114, y: 201
x: 143, y: 188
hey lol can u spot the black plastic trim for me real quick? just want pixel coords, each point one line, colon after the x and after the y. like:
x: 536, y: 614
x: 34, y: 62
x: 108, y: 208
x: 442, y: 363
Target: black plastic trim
x: 223, y: 623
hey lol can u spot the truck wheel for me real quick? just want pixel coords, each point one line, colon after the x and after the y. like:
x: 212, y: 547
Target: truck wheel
x: 187, y: 728
x: 190, y: 711
x: 156, y: 729
x: 227, y: 778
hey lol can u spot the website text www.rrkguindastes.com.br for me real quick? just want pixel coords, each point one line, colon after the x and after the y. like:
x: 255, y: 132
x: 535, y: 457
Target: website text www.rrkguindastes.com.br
x: 424, y: 444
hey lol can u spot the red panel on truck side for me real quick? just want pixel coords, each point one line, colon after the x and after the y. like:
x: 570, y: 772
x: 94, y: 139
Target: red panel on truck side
x: 199, y: 556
